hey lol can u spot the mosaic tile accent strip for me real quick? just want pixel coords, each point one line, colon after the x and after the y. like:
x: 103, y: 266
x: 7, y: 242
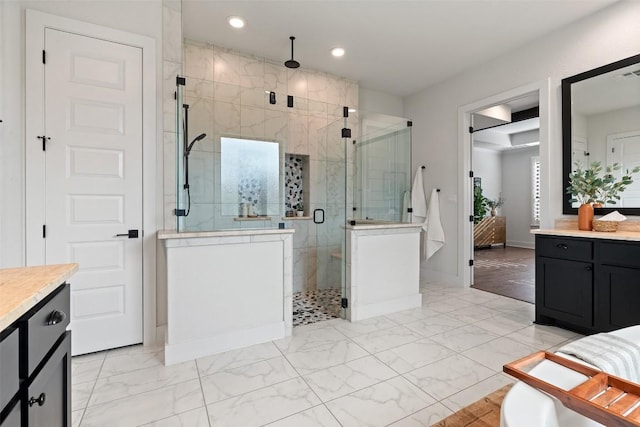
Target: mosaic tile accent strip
x: 293, y: 182
x: 316, y: 306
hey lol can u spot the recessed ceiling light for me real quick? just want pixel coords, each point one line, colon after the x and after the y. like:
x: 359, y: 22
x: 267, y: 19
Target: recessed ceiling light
x: 236, y: 21
x: 337, y: 52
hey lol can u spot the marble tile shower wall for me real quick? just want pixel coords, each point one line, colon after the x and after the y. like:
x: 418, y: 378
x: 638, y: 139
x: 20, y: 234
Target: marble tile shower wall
x: 227, y: 94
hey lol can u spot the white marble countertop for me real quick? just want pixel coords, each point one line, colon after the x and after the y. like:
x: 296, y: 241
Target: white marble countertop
x: 615, y: 235
x: 173, y: 234
x: 22, y: 288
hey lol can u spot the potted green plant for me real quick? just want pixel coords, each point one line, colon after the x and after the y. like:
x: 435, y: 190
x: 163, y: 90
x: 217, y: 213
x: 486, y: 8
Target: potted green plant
x: 300, y: 209
x: 494, y: 204
x: 479, y: 204
x: 589, y: 186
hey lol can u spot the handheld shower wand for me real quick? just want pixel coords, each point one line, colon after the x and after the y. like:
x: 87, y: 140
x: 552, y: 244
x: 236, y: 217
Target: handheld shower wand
x: 187, y: 151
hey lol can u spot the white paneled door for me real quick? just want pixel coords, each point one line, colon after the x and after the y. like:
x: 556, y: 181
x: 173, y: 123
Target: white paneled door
x: 93, y: 181
x: 624, y: 149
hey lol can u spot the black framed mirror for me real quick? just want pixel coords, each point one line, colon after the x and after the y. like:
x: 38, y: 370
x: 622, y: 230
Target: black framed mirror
x: 601, y: 122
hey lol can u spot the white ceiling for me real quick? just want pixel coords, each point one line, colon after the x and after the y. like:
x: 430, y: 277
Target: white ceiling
x: 397, y: 47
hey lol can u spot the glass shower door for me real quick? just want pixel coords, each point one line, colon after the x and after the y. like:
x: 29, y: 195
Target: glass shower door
x: 330, y: 215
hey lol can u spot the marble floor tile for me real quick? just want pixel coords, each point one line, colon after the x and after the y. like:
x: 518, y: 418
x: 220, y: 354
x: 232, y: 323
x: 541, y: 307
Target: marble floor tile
x: 466, y: 397
x: 83, y: 371
x: 472, y: 313
x: 434, y: 325
x: 80, y: 395
x: 477, y: 296
x: 448, y: 376
x: 446, y: 306
x: 387, y: 338
x: 541, y: 337
x: 494, y: 354
x: 120, y: 362
x: 318, y: 416
x: 194, y: 418
x: 263, y: 406
x: 414, y: 355
x: 309, y: 340
x: 308, y: 360
x: 464, y: 338
x: 424, y: 417
x: 408, y: 316
x: 503, y: 324
x: 343, y: 379
x: 244, y: 379
x: 141, y: 380
x: 363, y: 327
x: 236, y: 358
x: 146, y: 407
x: 380, y: 404
x: 76, y: 417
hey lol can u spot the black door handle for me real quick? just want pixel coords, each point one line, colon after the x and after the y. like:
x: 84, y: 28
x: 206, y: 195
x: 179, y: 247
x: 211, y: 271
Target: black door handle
x: 56, y: 317
x: 132, y: 234
x: 40, y: 400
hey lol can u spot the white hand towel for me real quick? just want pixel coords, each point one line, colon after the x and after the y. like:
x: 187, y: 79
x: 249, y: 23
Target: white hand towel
x: 435, y: 232
x: 613, y: 216
x: 418, y: 200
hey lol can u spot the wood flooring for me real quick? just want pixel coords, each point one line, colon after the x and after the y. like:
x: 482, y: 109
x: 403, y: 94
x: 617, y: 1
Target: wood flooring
x: 505, y: 271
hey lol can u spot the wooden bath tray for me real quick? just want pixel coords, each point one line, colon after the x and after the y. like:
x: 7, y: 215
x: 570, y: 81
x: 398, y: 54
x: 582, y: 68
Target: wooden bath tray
x: 604, y: 398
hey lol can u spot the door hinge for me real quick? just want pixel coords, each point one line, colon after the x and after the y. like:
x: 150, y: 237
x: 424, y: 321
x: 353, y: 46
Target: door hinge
x: 470, y: 174
x: 44, y: 56
x: 470, y: 218
x: 470, y: 263
x: 44, y: 139
x: 44, y: 231
x: 613, y: 150
x: 344, y: 303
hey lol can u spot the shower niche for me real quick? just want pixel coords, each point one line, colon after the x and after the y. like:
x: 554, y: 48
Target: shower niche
x: 296, y: 186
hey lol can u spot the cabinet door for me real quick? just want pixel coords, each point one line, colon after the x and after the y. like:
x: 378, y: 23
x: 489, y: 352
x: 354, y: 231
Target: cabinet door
x: 617, y: 294
x: 564, y: 290
x: 13, y: 419
x: 48, y: 400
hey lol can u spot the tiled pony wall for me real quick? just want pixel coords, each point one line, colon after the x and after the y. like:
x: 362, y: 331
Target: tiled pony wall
x: 228, y: 96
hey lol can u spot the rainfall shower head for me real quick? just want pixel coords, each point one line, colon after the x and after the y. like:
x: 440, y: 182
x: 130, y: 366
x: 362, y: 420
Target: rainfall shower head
x: 291, y: 63
x: 196, y: 139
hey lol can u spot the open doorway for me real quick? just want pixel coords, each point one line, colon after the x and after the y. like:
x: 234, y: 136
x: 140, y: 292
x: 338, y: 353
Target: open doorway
x: 505, y: 159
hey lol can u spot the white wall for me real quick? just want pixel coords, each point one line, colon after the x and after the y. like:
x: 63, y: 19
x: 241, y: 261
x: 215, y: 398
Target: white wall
x: 607, y: 36
x: 487, y: 164
x: 516, y: 190
x: 122, y: 15
x: 372, y: 101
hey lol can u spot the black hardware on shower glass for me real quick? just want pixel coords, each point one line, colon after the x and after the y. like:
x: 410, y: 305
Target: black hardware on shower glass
x: 272, y: 98
x: 345, y: 111
x: 346, y: 133
x: 290, y: 101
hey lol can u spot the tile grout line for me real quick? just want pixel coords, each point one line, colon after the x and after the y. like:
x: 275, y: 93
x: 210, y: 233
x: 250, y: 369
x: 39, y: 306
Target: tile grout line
x: 204, y: 398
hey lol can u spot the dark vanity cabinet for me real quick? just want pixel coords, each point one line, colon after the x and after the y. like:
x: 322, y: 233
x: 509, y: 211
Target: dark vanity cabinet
x: 587, y: 284
x: 35, y: 366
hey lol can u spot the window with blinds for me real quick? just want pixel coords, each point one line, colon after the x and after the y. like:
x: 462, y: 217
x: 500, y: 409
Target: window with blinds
x: 535, y: 191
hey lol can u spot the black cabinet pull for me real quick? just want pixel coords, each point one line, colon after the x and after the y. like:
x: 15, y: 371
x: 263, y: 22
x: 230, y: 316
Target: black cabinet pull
x: 588, y: 268
x: 562, y: 246
x: 40, y: 400
x: 56, y: 317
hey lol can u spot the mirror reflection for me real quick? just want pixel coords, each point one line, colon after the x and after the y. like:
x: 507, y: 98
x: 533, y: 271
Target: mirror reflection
x: 605, y: 122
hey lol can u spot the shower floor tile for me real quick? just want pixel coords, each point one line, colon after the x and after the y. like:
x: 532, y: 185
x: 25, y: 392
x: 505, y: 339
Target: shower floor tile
x: 316, y: 306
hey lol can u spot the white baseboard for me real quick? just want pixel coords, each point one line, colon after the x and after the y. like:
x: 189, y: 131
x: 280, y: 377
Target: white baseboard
x: 181, y: 352
x: 366, y: 311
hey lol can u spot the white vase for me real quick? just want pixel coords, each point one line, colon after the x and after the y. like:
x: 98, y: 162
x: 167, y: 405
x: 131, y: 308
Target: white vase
x: 300, y: 213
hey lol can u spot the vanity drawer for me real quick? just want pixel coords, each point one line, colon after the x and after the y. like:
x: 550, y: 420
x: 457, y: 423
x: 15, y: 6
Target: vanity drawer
x: 43, y: 328
x: 564, y: 248
x: 9, y: 381
x: 618, y: 253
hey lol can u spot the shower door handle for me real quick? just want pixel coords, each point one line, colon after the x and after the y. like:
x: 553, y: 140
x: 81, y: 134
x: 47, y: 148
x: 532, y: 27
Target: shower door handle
x: 318, y: 216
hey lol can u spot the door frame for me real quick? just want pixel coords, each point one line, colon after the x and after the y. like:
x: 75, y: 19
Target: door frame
x: 465, y: 186
x: 36, y: 22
